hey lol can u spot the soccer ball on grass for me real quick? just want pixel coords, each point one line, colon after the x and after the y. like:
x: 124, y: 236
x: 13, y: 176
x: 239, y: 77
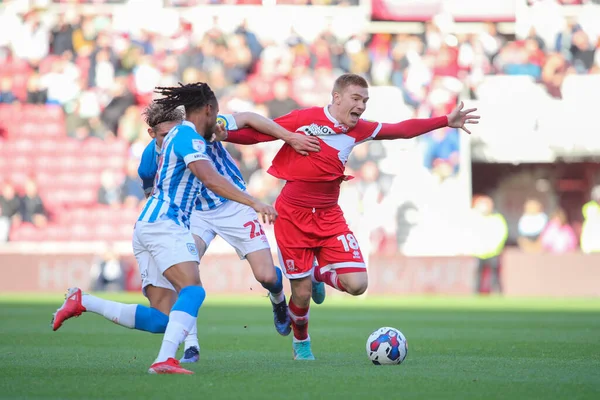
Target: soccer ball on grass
x: 387, y: 346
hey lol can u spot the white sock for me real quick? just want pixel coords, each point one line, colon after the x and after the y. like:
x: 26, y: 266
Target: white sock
x: 277, y: 298
x: 119, y: 313
x: 191, y: 339
x: 294, y: 340
x: 180, y: 324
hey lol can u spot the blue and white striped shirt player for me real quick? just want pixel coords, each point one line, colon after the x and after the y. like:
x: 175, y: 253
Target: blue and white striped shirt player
x: 222, y: 161
x: 175, y: 186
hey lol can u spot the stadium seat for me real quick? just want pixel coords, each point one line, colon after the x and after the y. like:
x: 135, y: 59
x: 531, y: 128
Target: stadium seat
x: 80, y: 232
x: 104, y: 231
x: 70, y: 146
x: 26, y: 233
x: 48, y: 146
x: 55, y: 233
x: 125, y: 231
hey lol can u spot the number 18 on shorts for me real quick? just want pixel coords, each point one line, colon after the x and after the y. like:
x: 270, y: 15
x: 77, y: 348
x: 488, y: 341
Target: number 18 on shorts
x: 340, y: 253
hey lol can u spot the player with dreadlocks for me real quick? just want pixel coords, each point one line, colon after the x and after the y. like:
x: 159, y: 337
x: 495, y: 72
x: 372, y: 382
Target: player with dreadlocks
x: 152, y: 319
x: 162, y: 242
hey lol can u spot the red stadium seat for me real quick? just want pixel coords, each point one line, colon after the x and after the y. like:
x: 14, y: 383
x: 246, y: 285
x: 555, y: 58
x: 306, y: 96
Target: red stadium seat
x: 54, y: 129
x: 70, y: 146
x: 79, y: 216
x: 55, y: 233
x: 124, y: 233
x: 69, y: 163
x: 18, y: 177
x: 92, y: 145
x: 25, y: 233
x: 19, y: 80
x: 104, y: 231
x: 53, y: 113
x: 88, y: 196
x: 48, y: 146
x: 80, y: 232
x: 24, y: 145
x: 6, y: 113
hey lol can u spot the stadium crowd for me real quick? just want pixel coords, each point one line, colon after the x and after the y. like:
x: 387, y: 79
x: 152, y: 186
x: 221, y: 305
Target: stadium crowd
x: 99, y: 80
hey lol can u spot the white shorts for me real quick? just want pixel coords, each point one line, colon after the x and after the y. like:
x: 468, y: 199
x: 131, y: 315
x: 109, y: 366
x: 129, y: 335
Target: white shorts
x: 157, y: 246
x: 236, y: 223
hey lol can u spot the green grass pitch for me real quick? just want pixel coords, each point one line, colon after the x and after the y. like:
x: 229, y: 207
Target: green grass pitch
x: 459, y: 348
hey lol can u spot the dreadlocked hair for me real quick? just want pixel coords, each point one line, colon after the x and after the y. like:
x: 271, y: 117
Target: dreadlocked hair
x: 191, y: 96
x: 156, y: 114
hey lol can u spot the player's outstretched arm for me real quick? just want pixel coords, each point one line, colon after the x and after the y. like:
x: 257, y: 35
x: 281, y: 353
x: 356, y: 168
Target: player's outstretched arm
x: 410, y: 128
x: 148, y: 167
x: 260, y: 129
x: 206, y: 172
x: 415, y: 127
x: 262, y: 125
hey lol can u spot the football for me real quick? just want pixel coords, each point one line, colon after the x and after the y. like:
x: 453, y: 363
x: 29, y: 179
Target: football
x: 387, y: 346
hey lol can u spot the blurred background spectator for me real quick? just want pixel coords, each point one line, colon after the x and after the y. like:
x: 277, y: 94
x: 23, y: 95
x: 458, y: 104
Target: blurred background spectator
x: 109, y: 192
x: 558, y: 236
x: 32, y: 206
x: 9, y: 203
x: 590, y: 233
x: 108, y: 273
x: 531, y: 225
x: 9, y: 210
x: 442, y: 152
x: 489, y: 232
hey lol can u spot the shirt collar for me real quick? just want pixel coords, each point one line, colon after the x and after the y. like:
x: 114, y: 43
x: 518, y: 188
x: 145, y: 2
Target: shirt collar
x: 188, y: 123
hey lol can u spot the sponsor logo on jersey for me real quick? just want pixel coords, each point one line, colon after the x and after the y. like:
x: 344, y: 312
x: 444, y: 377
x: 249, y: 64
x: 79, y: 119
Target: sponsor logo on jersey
x: 316, y: 130
x: 199, y: 145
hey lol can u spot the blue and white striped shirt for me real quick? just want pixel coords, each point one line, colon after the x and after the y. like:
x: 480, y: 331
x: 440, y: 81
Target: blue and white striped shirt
x: 175, y: 187
x: 222, y: 160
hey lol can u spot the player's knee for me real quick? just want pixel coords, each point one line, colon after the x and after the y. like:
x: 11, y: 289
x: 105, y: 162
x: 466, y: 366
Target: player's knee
x: 302, y: 294
x: 356, y: 287
x: 190, y: 279
x: 357, y: 290
x: 266, y: 276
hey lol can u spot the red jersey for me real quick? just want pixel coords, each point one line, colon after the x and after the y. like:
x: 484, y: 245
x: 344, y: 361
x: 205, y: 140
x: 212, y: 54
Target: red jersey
x: 337, y: 142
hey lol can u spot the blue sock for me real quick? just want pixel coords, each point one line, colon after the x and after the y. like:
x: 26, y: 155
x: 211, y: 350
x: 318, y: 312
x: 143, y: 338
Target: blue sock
x: 181, y: 320
x: 276, y: 287
x: 190, y: 299
x: 150, y: 320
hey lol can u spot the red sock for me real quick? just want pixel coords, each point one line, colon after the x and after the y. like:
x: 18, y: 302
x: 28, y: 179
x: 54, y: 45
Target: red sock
x: 330, y: 278
x: 299, y: 318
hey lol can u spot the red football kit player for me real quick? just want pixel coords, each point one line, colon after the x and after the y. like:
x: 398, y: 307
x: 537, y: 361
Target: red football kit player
x: 311, y: 224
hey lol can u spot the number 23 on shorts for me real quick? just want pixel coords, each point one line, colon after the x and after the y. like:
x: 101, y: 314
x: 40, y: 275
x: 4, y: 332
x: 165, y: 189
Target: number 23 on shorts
x: 256, y: 229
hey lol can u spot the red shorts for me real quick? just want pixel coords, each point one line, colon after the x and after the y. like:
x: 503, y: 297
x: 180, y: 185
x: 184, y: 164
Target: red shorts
x: 305, y: 234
